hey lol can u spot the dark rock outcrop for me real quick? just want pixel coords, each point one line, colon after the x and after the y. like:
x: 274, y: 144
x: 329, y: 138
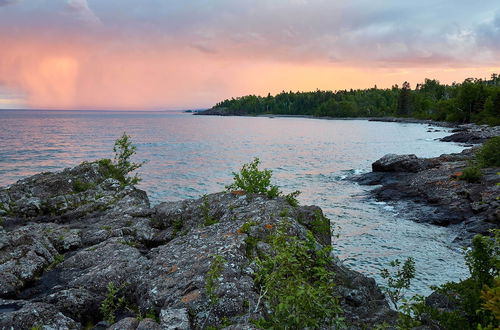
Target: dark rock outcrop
x: 472, y: 133
x: 428, y: 190
x: 65, y: 248
x: 402, y: 163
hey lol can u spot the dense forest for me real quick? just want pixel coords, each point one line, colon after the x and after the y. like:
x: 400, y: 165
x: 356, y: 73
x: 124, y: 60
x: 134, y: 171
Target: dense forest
x: 473, y: 100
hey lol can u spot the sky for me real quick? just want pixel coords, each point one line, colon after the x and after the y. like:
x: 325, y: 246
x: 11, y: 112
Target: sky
x: 182, y: 54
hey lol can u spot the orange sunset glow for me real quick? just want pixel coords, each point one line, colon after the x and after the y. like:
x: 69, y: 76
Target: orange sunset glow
x: 131, y: 55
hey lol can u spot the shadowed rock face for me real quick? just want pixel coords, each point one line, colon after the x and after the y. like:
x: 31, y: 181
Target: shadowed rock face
x: 62, y: 245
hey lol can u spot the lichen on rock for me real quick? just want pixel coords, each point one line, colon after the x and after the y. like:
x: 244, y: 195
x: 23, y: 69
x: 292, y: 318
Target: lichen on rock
x: 61, y: 247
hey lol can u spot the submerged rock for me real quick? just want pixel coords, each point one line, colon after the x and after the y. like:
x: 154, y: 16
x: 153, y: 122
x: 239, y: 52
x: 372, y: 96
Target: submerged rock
x: 70, y: 257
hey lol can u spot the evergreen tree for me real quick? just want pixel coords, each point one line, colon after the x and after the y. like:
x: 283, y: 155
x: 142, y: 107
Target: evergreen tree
x: 404, y: 100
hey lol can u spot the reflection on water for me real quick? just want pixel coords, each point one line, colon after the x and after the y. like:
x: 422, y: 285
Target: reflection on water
x: 192, y: 155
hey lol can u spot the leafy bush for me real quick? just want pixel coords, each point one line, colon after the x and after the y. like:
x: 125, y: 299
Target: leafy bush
x: 124, y: 150
x: 297, y: 284
x: 471, y: 174
x: 122, y: 164
x: 475, y: 301
x: 112, y: 303
x: 489, y: 154
x: 398, y: 283
x: 254, y: 181
x: 291, y: 198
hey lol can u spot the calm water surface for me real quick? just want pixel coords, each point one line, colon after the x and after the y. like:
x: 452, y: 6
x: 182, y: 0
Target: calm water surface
x: 189, y: 156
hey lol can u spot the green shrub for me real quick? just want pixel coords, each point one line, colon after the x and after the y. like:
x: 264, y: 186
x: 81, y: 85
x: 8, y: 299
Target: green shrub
x: 320, y: 224
x: 398, y: 283
x: 80, y: 186
x: 291, y: 198
x: 489, y: 154
x: 205, y: 211
x: 476, y: 300
x: 177, y: 225
x: 57, y: 260
x: 297, y: 284
x: 471, y: 174
x: 112, y: 303
x: 211, y: 281
x: 122, y: 164
x: 245, y: 228
x: 254, y: 181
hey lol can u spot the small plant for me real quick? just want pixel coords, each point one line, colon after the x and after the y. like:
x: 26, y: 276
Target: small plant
x: 129, y: 243
x: 205, y: 211
x: 321, y: 224
x: 178, y: 224
x: 489, y: 154
x: 246, y: 226
x: 297, y: 284
x: 57, y: 260
x: 112, y: 303
x: 122, y: 164
x: 398, y: 283
x: 291, y: 198
x: 491, y: 299
x: 150, y: 314
x: 250, y: 245
x: 284, y: 213
x: 80, y: 186
x: 471, y: 174
x: 211, y: 281
x: 106, y: 228
x: 254, y: 181
x: 124, y: 150
x: 475, y: 300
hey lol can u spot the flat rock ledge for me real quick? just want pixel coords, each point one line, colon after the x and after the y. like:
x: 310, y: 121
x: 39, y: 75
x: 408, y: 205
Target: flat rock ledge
x: 428, y: 190
x: 66, y: 237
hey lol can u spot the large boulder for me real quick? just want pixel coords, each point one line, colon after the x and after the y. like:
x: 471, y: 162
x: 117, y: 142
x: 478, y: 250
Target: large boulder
x: 401, y: 163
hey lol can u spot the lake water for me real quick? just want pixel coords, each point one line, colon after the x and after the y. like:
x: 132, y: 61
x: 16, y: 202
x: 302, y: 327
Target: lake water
x: 189, y: 156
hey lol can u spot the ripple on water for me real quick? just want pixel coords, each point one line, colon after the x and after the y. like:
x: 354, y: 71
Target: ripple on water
x: 193, y: 155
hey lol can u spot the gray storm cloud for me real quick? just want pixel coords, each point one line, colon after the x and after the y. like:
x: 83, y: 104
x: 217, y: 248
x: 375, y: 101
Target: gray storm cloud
x: 81, y: 9
x: 7, y: 2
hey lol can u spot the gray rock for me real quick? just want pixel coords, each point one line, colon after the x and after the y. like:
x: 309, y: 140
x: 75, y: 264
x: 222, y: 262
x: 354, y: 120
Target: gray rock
x: 174, y: 319
x: 128, y: 323
x: 429, y: 190
x: 400, y: 163
x: 148, y: 324
x: 37, y: 315
x: 62, y: 249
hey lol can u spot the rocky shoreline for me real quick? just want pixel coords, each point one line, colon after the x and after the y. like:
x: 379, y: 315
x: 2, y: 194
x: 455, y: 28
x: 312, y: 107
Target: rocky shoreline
x: 77, y: 247
x: 428, y: 190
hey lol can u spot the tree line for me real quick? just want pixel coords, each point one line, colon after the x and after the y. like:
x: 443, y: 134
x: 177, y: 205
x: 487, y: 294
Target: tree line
x: 473, y: 100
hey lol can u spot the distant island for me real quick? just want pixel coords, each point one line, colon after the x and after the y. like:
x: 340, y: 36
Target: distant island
x: 472, y: 101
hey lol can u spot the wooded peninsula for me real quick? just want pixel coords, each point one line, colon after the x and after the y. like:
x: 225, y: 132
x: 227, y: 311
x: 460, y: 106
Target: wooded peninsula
x: 474, y: 100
